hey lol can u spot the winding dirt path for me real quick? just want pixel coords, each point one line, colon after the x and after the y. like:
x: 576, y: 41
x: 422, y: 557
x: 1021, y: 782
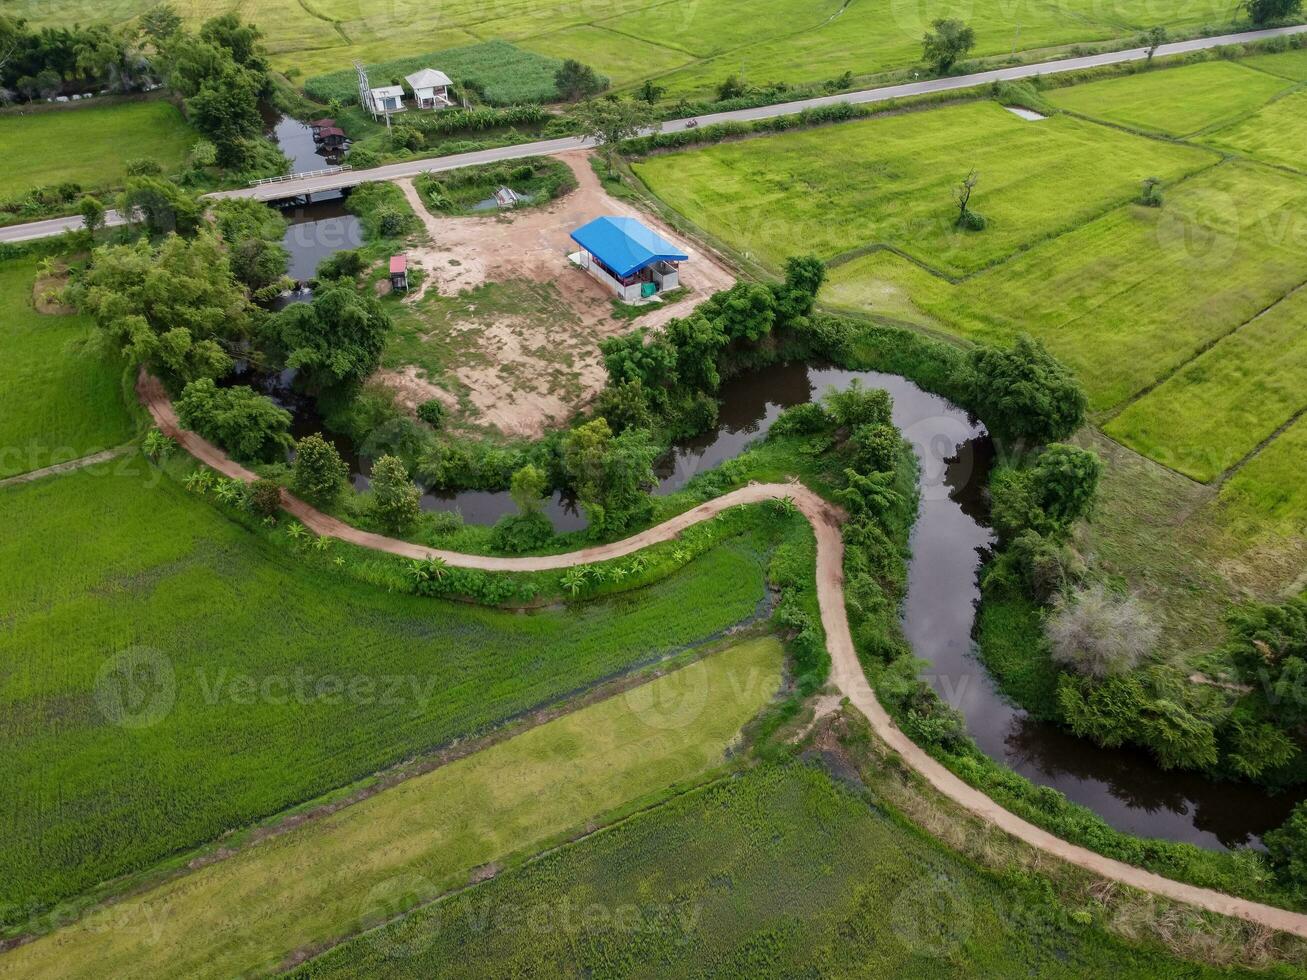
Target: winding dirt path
x: 846, y: 671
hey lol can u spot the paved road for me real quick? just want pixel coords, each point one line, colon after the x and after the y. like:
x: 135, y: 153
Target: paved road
x: 846, y: 670
x: 411, y: 168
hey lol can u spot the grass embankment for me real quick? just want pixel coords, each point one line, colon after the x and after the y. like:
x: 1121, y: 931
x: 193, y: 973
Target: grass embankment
x: 63, y: 398
x: 782, y: 872
x: 89, y: 144
x: 279, y: 677
x: 889, y: 182
x: 368, y: 862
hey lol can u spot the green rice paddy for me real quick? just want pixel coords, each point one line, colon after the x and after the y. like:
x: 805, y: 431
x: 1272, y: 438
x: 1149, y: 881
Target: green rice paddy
x: 370, y: 861
x: 278, y: 679
x: 63, y: 398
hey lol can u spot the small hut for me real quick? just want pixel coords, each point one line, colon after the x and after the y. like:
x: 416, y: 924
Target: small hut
x: 332, y: 139
x: 386, y: 100
x: 318, y: 125
x: 430, y: 89
x: 399, y: 273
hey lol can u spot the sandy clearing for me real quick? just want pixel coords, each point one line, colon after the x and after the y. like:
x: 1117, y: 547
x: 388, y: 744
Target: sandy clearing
x: 529, y: 374
x: 846, y: 671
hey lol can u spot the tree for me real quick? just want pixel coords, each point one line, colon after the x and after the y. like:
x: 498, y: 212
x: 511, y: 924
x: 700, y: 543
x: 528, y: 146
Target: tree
x: 93, y: 212
x: 226, y: 111
x: 968, y: 219
x: 241, y: 41
x: 745, y: 312
x: 160, y: 22
x: 1023, y: 393
x: 1265, y: 11
x: 1066, y: 478
x: 528, y: 488
x: 732, y: 87
x: 1152, y: 39
x: 610, y: 475
x: 335, y: 341
x: 248, y: 425
x: 173, y: 306
x: 577, y: 81
x: 1098, y: 633
x: 161, y: 205
x: 1268, y: 647
x: 698, y: 341
x: 638, y: 356
x: 394, y: 496
x: 859, y: 405
x: 318, y: 474
x: 947, y: 43
x: 610, y: 121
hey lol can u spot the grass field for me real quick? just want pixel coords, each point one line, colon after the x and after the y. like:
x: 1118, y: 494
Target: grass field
x: 1264, y: 504
x: 1276, y: 133
x: 369, y: 861
x: 62, y: 398
x: 1286, y: 64
x: 1174, y: 101
x: 277, y: 682
x: 1133, y: 295
x: 890, y: 181
x: 780, y: 873
x: 89, y: 144
x: 1221, y: 405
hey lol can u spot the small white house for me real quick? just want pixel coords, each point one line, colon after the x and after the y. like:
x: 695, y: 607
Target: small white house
x: 430, y: 89
x: 386, y: 100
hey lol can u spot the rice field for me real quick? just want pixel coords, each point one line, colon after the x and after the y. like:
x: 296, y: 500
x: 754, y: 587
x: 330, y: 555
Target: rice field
x: 89, y: 144
x: 62, y: 398
x: 1221, y: 405
x: 889, y: 182
x: 260, y: 680
x: 1174, y: 101
x: 690, y: 46
x: 782, y: 872
x: 1275, y: 134
x: 370, y: 861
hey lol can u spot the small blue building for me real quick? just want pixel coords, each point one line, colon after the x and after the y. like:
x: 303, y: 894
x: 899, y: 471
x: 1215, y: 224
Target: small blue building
x: 631, y: 259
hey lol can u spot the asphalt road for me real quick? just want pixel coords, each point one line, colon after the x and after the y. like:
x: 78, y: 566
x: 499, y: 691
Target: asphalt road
x: 411, y: 168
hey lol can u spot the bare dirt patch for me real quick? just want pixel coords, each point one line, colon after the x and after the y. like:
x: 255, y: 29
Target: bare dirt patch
x: 47, y: 289
x: 529, y: 366
x: 411, y: 389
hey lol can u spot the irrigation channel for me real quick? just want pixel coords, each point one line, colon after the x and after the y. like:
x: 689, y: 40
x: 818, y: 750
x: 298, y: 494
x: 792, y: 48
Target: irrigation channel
x: 950, y: 542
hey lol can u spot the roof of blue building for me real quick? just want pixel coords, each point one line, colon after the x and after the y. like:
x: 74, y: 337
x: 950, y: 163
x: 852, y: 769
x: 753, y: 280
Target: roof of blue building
x: 625, y: 245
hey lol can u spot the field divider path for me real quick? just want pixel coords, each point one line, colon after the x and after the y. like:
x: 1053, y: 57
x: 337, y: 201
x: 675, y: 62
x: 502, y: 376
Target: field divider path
x: 846, y: 670
x: 52, y: 227
x: 103, y: 456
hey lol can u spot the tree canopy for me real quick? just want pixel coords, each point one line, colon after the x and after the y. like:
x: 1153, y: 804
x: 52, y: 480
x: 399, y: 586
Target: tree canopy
x: 334, y: 341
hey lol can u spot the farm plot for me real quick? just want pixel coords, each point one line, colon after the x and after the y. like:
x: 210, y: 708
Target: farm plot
x: 367, y: 862
x: 1220, y: 406
x: 1276, y: 133
x: 622, y: 58
x: 1263, y: 508
x: 779, y: 873
x: 62, y: 398
x: 89, y: 144
x: 280, y: 679
x: 1286, y: 64
x: 1174, y: 101
x: 890, y: 181
x: 1134, y: 295
x: 506, y: 74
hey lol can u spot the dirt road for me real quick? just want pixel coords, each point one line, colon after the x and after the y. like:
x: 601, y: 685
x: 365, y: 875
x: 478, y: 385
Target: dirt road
x: 846, y: 671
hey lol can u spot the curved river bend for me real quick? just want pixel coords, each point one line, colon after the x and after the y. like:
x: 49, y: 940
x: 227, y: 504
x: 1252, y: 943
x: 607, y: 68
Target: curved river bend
x: 950, y: 541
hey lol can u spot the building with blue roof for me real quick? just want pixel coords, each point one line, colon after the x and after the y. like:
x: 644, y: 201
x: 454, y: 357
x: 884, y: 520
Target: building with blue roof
x: 628, y: 257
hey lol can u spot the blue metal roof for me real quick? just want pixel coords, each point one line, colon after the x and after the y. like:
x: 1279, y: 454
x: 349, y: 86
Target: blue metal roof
x: 625, y: 245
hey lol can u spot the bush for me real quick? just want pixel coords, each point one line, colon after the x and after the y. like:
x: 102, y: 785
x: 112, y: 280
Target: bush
x: 319, y: 474
x: 1150, y: 193
x: 1023, y: 393
x: 265, y: 497
x: 431, y: 411
x: 970, y: 220
x: 158, y: 446
x: 1098, y: 633
x: 394, y: 496
x: 876, y: 448
x: 249, y: 425
x: 857, y: 405
x: 348, y: 264
x: 521, y: 532
x: 143, y: 168
x: 806, y: 419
